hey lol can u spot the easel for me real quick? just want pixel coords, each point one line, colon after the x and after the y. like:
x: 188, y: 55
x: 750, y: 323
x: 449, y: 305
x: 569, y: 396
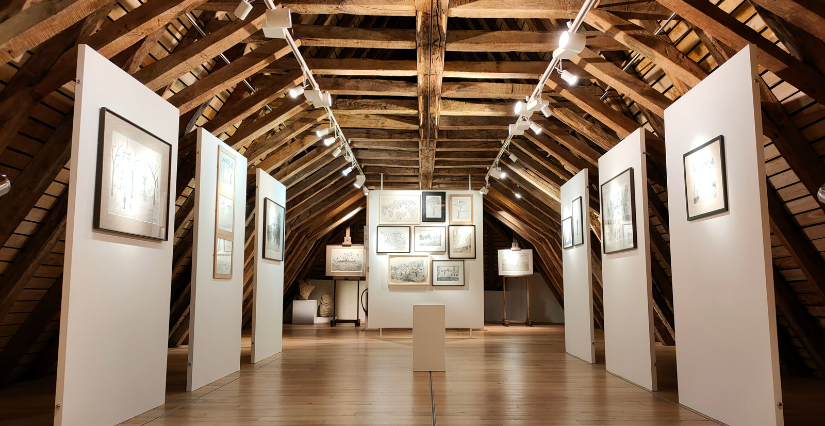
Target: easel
x: 357, y: 321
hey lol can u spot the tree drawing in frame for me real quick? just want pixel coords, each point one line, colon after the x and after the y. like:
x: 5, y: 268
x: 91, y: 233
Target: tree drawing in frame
x: 706, y: 186
x: 619, y: 213
x: 226, y: 172
x: 461, y: 209
x: 433, y: 206
x: 408, y: 270
x: 132, y: 186
x: 399, y: 209
x: 430, y: 239
x: 515, y: 263
x: 392, y: 239
x: 223, y: 258
x: 578, y: 222
x: 274, y: 230
x: 461, y: 242
x: 448, y: 273
x: 567, y: 232
x: 345, y: 261
x: 225, y: 219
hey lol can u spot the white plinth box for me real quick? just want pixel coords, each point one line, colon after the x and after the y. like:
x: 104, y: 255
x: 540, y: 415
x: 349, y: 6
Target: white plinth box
x: 429, y: 338
x: 723, y: 292
x: 304, y: 311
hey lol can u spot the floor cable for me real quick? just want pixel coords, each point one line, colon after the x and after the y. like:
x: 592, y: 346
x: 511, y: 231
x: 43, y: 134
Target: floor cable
x: 432, y: 397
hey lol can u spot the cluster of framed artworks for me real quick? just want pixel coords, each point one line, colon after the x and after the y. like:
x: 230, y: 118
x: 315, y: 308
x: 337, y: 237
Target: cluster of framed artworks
x: 417, y: 270
x: 224, y: 215
x: 458, y: 241
x: 430, y: 206
x: 572, y: 228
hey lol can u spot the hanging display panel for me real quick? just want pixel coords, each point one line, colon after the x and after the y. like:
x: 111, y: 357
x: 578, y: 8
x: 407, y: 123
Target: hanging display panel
x: 462, y: 242
x: 461, y: 209
x: 393, y: 239
x: 274, y: 230
x: 619, y: 213
x: 567, y: 232
x: 578, y: 222
x: 515, y: 263
x: 430, y: 239
x: 706, y: 188
x: 132, y: 188
x: 433, y: 206
x: 345, y: 261
x: 448, y: 273
x: 408, y: 270
x: 399, y: 209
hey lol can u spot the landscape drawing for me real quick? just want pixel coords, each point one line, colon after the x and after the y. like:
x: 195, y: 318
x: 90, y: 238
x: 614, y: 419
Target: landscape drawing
x: 135, y: 181
x: 273, y: 230
x: 566, y: 233
x: 393, y: 239
x: 703, y: 172
x: 516, y: 262
x: 349, y: 260
x: 430, y: 238
x: 226, y: 171
x: 461, y: 241
x: 408, y: 270
x: 618, y: 225
x: 223, y: 257
x: 226, y: 217
x: 447, y: 272
x: 399, y: 209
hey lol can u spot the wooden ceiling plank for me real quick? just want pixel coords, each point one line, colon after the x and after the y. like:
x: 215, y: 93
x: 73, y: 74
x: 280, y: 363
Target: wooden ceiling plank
x: 548, y: 9
x: 616, y: 121
x: 258, y: 149
x: 806, y: 14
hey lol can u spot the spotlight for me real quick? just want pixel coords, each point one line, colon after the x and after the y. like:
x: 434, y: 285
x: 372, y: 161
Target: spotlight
x: 313, y: 95
x: 277, y: 21
x: 243, y: 9
x: 483, y: 190
x: 329, y: 141
x: 296, y: 91
x: 513, y: 157
x: 519, y: 107
x: 318, y: 98
x: 501, y: 173
x: 366, y: 190
x: 546, y: 111
x: 515, y: 246
x: 347, y: 171
x: 570, y: 45
x: 517, y: 195
x: 569, y: 77
x: 337, y: 152
x: 515, y: 131
x: 322, y: 132
x: 359, y: 180
x: 535, y: 128
x: 348, y: 157
x: 5, y: 185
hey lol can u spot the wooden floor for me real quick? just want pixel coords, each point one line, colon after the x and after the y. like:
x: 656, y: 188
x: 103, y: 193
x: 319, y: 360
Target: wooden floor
x: 348, y: 376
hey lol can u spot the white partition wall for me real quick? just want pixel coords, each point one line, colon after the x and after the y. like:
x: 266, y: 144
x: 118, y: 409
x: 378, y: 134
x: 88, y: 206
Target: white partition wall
x: 578, y: 284
x: 268, y: 279
x: 722, y: 279
x: 114, y: 319
x: 392, y: 306
x: 216, y: 305
x: 628, y: 309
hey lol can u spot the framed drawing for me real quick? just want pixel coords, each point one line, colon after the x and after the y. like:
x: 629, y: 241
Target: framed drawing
x: 515, y: 263
x: 567, y: 232
x: 399, y: 209
x: 274, y: 230
x: 223, y: 258
x: 226, y: 172
x: 132, y: 186
x: 578, y: 222
x: 392, y: 239
x: 345, y: 261
x: 618, y: 201
x: 225, y: 214
x: 408, y: 270
x: 433, y: 206
x: 448, y: 273
x: 461, y: 209
x: 430, y: 239
x: 461, y: 242
x: 706, y: 186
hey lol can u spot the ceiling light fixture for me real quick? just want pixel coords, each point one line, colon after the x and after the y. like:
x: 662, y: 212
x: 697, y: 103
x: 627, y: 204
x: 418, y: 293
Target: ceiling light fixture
x: 347, y: 171
x: 570, y: 45
x: 569, y: 77
x: 514, y: 130
x: 243, y: 9
x: 546, y: 111
x: 323, y: 132
x: 296, y: 91
x: 366, y: 190
x: 276, y: 23
x: 329, y: 141
x: 359, y: 180
x: 483, y: 190
x: 535, y: 128
x: 519, y: 107
x: 513, y: 157
x: 517, y: 195
x: 337, y: 152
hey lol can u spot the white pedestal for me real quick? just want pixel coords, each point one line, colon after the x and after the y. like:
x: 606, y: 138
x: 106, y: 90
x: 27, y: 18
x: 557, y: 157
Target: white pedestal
x: 304, y: 311
x: 429, y: 338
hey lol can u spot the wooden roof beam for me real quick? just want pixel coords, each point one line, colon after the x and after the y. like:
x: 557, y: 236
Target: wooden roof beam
x: 430, y: 41
x: 806, y: 14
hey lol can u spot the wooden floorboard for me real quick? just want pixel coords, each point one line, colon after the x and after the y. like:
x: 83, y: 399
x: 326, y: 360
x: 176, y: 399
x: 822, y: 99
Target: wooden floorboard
x: 348, y: 376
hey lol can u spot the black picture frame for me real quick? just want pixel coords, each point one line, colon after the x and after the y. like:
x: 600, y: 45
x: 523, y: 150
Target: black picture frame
x: 450, y: 242
x: 378, y: 244
x: 98, y: 221
x: 267, y: 202
x: 632, y: 211
x: 567, y: 222
x: 725, y: 207
x: 577, y: 201
x: 443, y: 196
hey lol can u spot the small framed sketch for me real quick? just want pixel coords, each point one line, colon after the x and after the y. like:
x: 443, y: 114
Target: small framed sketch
x: 392, y: 239
x: 618, y: 201
x: 408, y: 270
x: 223, y: 258
x: 567, y: 232
x: 578, y: 222
x: 345, y: 261
x: 274, y: 218
x: 461, y: 242
x: 706, y: 185
x: 430, y: 239
x: 399, y: 209
x: 461, y: 209
x: 515, y: 263
x: 132, y: 187
x: 433, y: 206
x: 225, y: 214
x: 448, y: 273
x: 226, y: 172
